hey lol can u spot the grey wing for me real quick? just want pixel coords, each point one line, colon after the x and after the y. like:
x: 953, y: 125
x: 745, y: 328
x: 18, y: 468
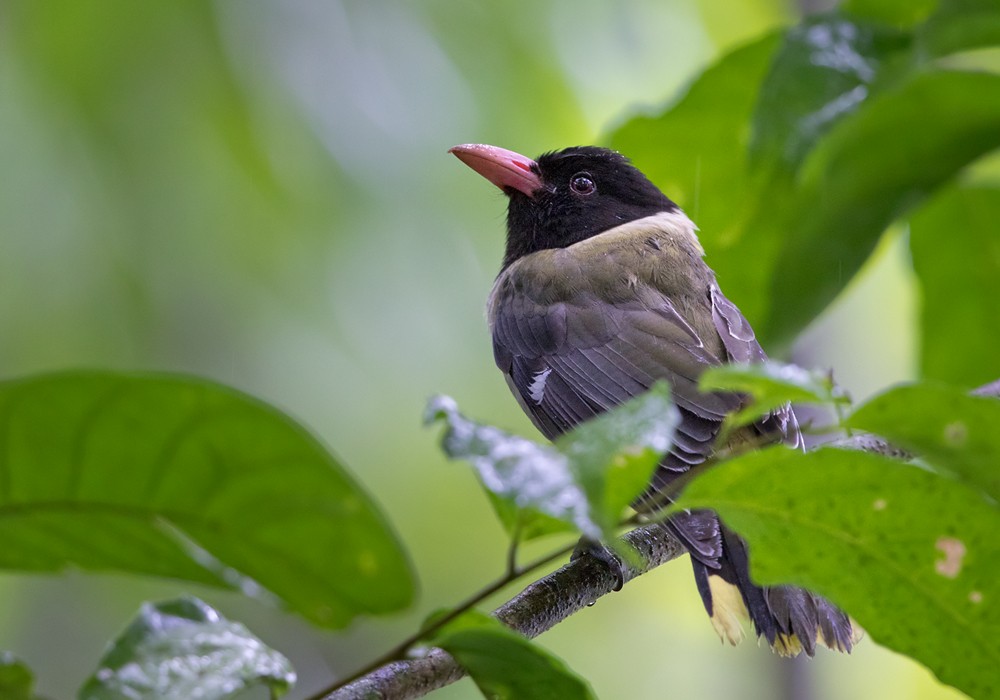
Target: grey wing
x: 741, y: 345
x: 568, y: 362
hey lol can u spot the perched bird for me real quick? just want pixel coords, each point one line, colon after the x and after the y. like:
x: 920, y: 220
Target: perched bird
x: 602, y: 292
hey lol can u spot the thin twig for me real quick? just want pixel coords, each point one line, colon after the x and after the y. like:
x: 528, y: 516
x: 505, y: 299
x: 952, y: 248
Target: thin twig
x: 547, y: 601
x: 400, y: 650
x: 536, y: 609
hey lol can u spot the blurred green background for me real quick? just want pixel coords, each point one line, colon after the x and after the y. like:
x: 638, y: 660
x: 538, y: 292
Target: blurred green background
x: 259, y: 193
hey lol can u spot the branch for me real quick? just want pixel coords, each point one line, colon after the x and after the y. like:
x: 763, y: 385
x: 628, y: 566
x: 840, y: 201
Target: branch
x: 537, y: 608
x: 552, y: 599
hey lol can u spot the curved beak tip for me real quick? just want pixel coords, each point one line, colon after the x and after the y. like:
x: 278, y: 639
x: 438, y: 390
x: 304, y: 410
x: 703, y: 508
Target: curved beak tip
x: 505, y: 169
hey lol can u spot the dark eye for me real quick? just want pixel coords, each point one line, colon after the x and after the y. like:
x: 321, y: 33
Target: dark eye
x: 582, y: 183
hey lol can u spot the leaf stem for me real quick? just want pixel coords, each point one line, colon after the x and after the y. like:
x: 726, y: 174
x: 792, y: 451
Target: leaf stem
x: 399, y: 651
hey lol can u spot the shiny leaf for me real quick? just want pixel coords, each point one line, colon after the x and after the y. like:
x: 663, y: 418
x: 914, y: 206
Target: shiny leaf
x: 907, y: 553
x: 586, y: 478
x: 798, y: 152
x: 825, y: 70
x: 956, y: 257
x: 182, y: 478
x: 505, y: 665
x: 862, y: 176
x: 942, y: 424
x: 184, y: 649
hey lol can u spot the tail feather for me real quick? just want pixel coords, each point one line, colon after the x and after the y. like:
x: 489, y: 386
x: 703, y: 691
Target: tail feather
x: 791, y: 619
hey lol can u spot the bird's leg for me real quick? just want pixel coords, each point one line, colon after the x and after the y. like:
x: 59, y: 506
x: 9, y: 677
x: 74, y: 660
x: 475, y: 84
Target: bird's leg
x: 587, y: 547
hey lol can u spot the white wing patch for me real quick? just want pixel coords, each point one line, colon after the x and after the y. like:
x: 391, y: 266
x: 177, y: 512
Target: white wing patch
x: 537, y: 387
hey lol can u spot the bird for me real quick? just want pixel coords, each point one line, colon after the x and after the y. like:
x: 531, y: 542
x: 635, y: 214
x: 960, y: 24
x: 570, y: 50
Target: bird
x: 603, y: 291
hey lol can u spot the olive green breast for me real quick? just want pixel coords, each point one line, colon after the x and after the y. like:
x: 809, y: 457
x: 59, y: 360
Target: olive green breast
x: 639, y: 262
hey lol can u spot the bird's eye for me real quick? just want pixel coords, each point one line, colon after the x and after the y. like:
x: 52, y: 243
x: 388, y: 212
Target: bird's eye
x: 582, y: 183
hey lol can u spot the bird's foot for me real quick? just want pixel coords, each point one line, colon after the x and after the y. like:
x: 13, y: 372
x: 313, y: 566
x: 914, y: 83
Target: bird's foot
x: 604, y: 554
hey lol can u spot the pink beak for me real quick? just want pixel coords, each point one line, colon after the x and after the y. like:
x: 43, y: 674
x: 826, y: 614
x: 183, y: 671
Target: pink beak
x: 503, y: 168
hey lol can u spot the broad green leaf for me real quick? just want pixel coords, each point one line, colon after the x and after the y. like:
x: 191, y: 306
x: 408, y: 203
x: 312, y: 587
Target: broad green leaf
x: 182, y: 478
x: 909, y: 554
x: 184, y: 649
x: 771, y: 385
x: 960, y: 25
x: 524, y: 524
x: 865, y: 174
x: 903, y: 13
x: 826, y: 69
x: 827, y: 111
x: 16, y: 679
x: 505, y: 665
x: 586, y: 478
x: 942, y: 424
x: 956, y: 256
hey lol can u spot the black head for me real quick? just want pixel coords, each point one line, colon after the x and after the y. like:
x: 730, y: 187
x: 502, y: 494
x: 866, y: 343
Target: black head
x: 565, y: 196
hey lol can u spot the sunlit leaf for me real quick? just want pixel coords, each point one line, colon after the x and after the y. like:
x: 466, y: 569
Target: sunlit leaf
x: 956, y: 257
x: 942, y: 424
x: 772, y: 385
x: 505, y: 665
x: 586, y: 478
x: 16, y: 680
x: 184, y: 649
x: 186, y: 479
x: 909, y: 554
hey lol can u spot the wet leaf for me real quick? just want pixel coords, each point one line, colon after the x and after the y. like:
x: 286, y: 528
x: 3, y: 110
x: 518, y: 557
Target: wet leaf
x: 799, y: 152
x: 861, y: 177
x: 185, y: 479
x: 942, y: 424
x: 772, y: 385
x: 826, y: 68
x: 505, y: 665
x: 184, y: 649
x: 586, y: 478
x: 907, y: 553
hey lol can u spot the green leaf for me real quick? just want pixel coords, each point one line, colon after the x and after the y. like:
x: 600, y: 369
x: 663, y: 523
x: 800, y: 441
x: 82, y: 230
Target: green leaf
x: 960, y: 25
x: 586, y: 478
x: 942, y: 424
x: 956, y: 256
x: 801, y: 148
x: 525, y: 524
x: 505, y: 665
x: 182, y: 478
x: 909, y: 554
x: 862, y: 176
x: 902, y: 13
x: 772, y: 385
x: 184, y: 649
x: 826, y: 69
x: 16, y: 679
